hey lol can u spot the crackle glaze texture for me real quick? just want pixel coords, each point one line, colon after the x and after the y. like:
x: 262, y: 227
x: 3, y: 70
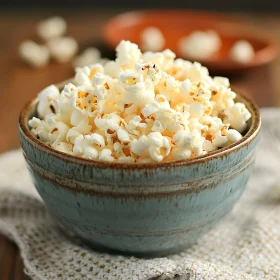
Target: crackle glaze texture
x: 146, y: 210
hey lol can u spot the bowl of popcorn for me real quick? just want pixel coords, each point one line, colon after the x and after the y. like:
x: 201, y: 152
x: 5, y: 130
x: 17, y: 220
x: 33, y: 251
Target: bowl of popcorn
x: 142, y: 155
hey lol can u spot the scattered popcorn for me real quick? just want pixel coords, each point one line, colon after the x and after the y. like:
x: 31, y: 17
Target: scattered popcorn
x: 52, y: 28
x: 140, y: 108
x: 89, y: 56
x: 34, y: 54
x: 242, y: 52
x: 152, y: 39
x: 63, y: 49
x: 200, y: 44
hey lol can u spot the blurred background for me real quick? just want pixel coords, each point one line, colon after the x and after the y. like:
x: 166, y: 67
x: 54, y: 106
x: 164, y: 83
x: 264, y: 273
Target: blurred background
x: 217, y: 5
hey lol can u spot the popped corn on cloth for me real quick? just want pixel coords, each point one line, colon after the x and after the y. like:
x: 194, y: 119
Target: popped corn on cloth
x: 245, y: 245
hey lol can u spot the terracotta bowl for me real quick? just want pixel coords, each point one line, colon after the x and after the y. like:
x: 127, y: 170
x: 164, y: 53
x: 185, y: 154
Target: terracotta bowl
x: 176, y: 24
x: 140, y: 209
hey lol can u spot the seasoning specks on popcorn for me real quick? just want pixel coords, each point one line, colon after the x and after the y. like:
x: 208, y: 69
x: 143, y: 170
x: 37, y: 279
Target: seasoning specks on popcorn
x: 140, y: 108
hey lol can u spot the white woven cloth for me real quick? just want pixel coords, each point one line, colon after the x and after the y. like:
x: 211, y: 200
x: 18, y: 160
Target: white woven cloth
x: 246, y: 245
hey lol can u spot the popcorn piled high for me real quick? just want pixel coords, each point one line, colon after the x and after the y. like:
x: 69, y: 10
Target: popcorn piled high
x: 140, y: 108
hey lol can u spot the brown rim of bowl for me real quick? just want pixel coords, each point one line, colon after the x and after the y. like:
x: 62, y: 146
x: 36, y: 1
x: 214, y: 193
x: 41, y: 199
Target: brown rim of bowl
x: 246, y: 140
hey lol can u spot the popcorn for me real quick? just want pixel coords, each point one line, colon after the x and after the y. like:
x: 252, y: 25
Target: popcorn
x: 159, y: 147
x: 140, y: 109
x: 134, y: 126
x: 33, y: 54
x: 183, y: 139
x: 237, y: 116
x: 40, y: 129
x: 63, y: 49
x: 127, y: 54
x: 220, y: 140
x: 152, y: 39
x: 106, y: 155
x: 89, y: 56
x: 78, y: 145
x: 96, y: 139
x: 58, y: 130
x: 180, y: 154
x: 135, y: 90
x: 63, y: 147
x: 233, y: 135
x: 123, y: 135
x: 52, y: 28
x: 140, y: 146
x: 242, y: 52
x: 200, y: 44
x: 47, y: 101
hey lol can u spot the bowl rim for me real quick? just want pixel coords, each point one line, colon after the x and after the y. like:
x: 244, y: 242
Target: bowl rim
x: 251, y: 134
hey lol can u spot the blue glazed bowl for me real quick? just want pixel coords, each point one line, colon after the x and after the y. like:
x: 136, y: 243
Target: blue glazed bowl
x: 141, y: 209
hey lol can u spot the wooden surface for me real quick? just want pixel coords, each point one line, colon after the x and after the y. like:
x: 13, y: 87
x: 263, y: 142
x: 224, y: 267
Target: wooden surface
x: 19, y: 83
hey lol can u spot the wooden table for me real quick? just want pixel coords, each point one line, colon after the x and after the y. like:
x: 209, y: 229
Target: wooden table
x: 18, y: 83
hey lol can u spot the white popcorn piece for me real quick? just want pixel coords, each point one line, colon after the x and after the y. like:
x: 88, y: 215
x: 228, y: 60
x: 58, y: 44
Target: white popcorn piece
x: 135, y: 92
x: 183, y: 139
x: 221, y: 81
x: 140, y: 146
x: 72, y: 134
x: 149, y: 110
x: 140, y: 110
x: 159, y: 147
x: 78, y: 145
x: 134, y: 126
x: 108, y: 122
x: 200, y: 44
x: 127, y: 54
x: 63, y: 147
x: 181, y: 154
x: 63, y: 49
x: 52, y: 28
x: 90, y: 149
x: 208, y: 146
x: 112, y: 69
x: 96, y: 139
x: 40, y: 129
x: 237, y: 116
x: 47, y: 101
x: 220, y: 140
x: 158, y: 126
x: 185, y: 87
x: 35, y: 55
x: 124, y: 159
x: 106, y: 155
x: 197, y: 143
x: 233, y: 135
x: 90, y: 153
x: 161, y: 102
x: 196, y: 110
x: 242, y: 52
x: 58, y: 131
x: 88, y: 56
x: 152, y: 39
x: 123, y: 135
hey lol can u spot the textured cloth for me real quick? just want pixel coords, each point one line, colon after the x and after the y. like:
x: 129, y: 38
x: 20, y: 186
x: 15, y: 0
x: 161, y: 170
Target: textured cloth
x: 245, y: 245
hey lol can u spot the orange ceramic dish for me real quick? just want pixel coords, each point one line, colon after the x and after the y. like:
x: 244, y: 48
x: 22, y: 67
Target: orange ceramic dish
x: 176, y: 24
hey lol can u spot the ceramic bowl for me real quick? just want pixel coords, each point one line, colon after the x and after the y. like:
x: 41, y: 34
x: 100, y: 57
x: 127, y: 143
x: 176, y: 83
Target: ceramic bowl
x: 175, y: 24
x: 140, y: 209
